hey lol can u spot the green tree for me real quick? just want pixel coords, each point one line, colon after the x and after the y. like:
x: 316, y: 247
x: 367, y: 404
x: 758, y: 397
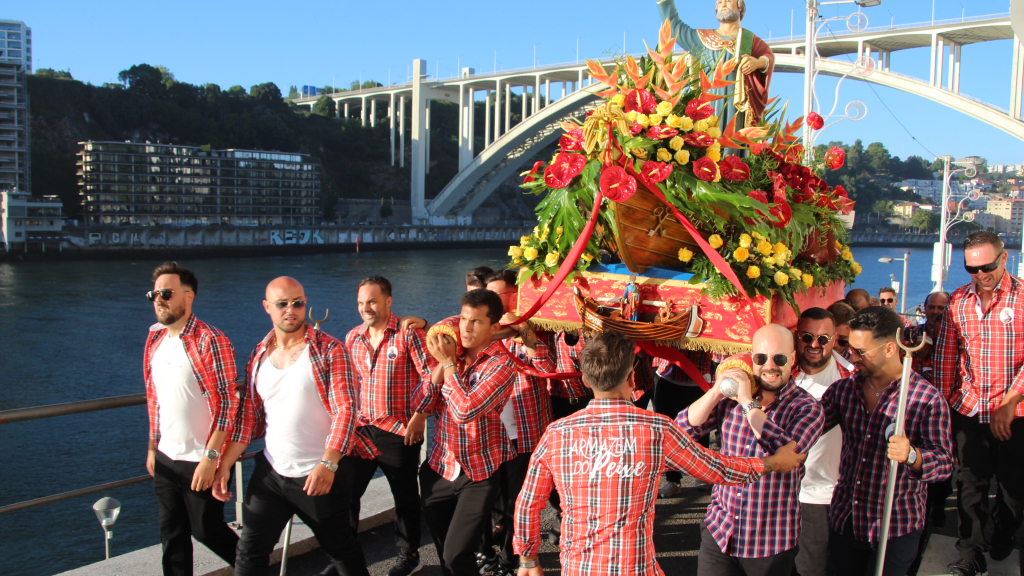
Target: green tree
x: 166, y: 76
x: 236, y: 91
x: 883, y: 208
x: 144, y: 79
x: 293, y: 92
x: 325, y: 106
x: 926, y: 221
x: 878, y: 158
x: 55, y: 74
x: 916, y: 168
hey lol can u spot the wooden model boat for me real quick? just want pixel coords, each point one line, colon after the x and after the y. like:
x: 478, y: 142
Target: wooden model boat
x: 646, y: 234
x: 670, y: 328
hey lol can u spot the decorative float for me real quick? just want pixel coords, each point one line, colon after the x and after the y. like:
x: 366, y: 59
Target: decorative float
x: 716, y: 230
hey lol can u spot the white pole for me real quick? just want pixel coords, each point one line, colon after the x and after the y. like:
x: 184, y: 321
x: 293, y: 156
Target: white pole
x: 809, y: 63
x: 903, y: 287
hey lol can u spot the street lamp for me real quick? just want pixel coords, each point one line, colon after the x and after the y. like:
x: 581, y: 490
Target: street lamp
x: 903, y: 287
x: 941, y: 254
x: 106, y: 510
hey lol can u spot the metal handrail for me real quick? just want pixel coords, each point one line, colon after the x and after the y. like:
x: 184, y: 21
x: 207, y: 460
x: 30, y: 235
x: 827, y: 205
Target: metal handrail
x: 68, y: 408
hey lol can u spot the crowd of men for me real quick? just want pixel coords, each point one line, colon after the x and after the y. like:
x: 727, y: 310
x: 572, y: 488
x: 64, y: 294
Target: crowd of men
x: 524, y: 420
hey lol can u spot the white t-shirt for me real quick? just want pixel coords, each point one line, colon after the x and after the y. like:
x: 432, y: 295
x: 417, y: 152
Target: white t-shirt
x: 508, y: 418
x: 822, y: 464
x: 297, y: 423
x: 185, y: 417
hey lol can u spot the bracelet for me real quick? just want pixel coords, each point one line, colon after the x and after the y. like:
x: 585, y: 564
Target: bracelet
x: 525, y: 563
x: 447, y: 366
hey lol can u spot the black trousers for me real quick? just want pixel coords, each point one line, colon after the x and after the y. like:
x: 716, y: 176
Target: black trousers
x: 457, y: 513
x: 981, y: 457
x: 711, y: 561
x: 938, y: 492
x: 852, y: 557
x: 560, y: 408
x: 670, y: 399
x: 271, y: 499
x: 400, y: 464
x: 512, y: 476
x: 812, y: 558
x: 185, y: 513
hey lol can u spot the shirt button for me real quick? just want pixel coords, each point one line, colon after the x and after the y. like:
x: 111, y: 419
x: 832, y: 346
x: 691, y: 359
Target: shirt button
x: 858, y: 481
x: 869, y: 436
x: 863, y: 459
x: 855, y: 502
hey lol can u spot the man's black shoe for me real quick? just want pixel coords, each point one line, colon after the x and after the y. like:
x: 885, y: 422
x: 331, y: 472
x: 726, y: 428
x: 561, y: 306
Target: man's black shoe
x: 968, y: 567
x: 408, y: 563
x: 1002, y: 547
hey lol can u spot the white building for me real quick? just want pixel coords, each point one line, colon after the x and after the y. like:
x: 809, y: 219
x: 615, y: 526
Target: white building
x: 25, y: 220
x: 15, y: 64
x: 930, y: 190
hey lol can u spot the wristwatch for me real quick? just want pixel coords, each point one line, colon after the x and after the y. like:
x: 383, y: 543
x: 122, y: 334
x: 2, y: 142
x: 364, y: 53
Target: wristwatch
x: 211, y: 454
x: 753, y: 404
x: 330, y: 465
x: 912, y: 459
x: 524, y: 563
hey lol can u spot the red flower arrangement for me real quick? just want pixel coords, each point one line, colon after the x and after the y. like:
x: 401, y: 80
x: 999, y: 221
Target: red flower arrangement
x: 564, y: 168
x: 835, y: 158
x: 661, y: 132
x: 705, y: 169
x: 571, y: 141
x: 616, y: 184
x: 698, y: 109
x: 815, y: 121
x: 641, y: 101
x: 734, y: 168
x: 533, y: 172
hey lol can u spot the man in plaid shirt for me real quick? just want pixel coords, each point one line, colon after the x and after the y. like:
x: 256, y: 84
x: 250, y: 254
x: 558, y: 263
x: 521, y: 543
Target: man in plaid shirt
x: 978, y: 368
x: 189, y: 369
x: 460, y: 483
x: 606, y: 461
x: 301, y: 395
x: 569, y: 395
x: 755, y: 529
x: 673, y: 391
x: 391, y: 364
x: 923, y: 360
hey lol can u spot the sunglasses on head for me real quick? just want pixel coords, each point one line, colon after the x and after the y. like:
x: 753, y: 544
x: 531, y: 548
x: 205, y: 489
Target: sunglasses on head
x: 985, y: 268
x: 844, y: 342
x: 886, y: 300
x: 822, y: 339
x: 762, y: 359
x: 282, y: 304
x: 165, y: 294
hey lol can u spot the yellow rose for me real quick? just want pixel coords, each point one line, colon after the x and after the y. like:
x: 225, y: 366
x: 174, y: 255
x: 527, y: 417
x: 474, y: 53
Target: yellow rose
x: 643, y: 120
x: 588, y: 256
x: 745, y: 240
x: 741, y: 254
x: 618, y: 100
x: 536, y: 230
x: 781, y: 278
x: 757, y: 235
x: 715, y: 155
x: 544, y: 235
x: 632, y: 115
x: 764, y: 247
x: 517, y: 261
x: 856, y: 268
x: 664, y: 108
x: 639, y: 153
x: 682, y: 157
x: 753, y: 272
x: 530, y: 254
x: 551, y: 260
x: 808, y: 280
x: 716, y: 241
x: 715, y: 146
x: 779, y: 248
x: 712, y: 120
x: 685, y: 255
x: 686, y: 124
x: 702, y: 125
x: 795, y: 273
x: 524, y: 240
x: 515, y: 252
x: 654, y: 119
x: 664, y: 155
x: 676, y: 143
x: 839, y: 245
x: 674, y: 121
x: 714, y: 132
x: 846, y: 254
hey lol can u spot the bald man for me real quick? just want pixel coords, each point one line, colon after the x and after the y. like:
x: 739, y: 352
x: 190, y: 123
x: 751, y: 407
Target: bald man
x: 754, y: 529
x: 858, y: 298
x: 301, y: 395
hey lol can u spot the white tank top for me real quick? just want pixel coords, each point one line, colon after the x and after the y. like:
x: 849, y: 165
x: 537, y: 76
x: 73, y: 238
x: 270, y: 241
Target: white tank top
x: 184, y: 413
x: 297, y: 423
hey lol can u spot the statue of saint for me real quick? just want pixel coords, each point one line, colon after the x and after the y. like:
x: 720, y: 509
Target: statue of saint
x: 756, y: 59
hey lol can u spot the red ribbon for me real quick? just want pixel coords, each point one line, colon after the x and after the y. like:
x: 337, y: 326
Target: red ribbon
x: 530, y: 370
x: 677, y: 358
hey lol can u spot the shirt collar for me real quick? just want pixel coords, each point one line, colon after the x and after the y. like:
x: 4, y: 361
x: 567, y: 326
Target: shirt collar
x: 1002, y: 286
x: 608, y: 403
x: 392, y: 325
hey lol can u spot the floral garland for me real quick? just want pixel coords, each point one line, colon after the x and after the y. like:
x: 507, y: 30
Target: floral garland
x: 766, y: 215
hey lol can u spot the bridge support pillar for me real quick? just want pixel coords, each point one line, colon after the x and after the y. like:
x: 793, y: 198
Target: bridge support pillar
x: 954, y: 68
x: 463, y: 129
x: 508, y: 107
x: 547, y: 92
x: 401, y: 131
x: 391, y: 121
x: 536, y: 94
x: 487, y: 119
x: 563, y: 89
x: 526, y: 99
x: 337, y: 108
x: 497, y: 109
x: 1017, y: 79
x: 362, y: 111
x: 931, y: 76
x: 427, y: 164
x: 419, y: 140
x: 471, y: 111
x: 373, y: 112
x: 346, y: 110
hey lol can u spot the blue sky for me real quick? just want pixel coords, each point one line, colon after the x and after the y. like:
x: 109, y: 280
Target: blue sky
x: 319, y: 42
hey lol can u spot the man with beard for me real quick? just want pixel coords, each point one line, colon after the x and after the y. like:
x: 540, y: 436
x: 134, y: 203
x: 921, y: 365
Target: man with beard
x: 979, y: 367
x: 189, y: 369
x: 302, y: 395
x: 842, y: 313
x: 391, y: 364
x: 934, y: 308
x: 754, y: 529
x: 816, y: 371
x: 864, y: 406
x: 756, y: 59
x: 887, y: 297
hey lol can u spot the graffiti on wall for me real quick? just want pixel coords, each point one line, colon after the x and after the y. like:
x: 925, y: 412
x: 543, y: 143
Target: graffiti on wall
x: 280, y: 237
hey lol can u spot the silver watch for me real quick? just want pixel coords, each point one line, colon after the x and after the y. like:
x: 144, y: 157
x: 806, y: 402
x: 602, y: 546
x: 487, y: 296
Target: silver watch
x: 211, y: 454
x: 330, y: 465
x: 753, y: 404
x: 912, y: 459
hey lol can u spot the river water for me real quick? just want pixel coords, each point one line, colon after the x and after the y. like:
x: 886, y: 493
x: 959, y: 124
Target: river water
x: 75, y: 331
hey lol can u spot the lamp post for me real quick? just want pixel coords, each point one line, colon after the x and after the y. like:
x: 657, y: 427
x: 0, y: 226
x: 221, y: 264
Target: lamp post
x: 941, y: 253
x: 903, y: 287
x: 107, y: 510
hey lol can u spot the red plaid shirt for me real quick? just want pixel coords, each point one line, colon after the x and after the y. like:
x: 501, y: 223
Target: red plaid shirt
x: 923, y: 366
x: 605, y: 462
x: 337, y: 385
x: 762, y: 519
x: 468, y: 434
x: 213, y: 362
x: 567, y: 359
x: 979, y: 353
x: 391, y: 375
x: 703, y: 361
x: 864, y: 462
x: 530, y: 400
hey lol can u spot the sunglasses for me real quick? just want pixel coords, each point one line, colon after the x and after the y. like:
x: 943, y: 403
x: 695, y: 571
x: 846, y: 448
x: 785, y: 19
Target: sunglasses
x: 165, y: 294
x: 986, y: 268
x: 822, y: 339
x: 886, y: 300
x: 762, y: 359
x: 844, y: 342
x: 296, y: 304
x: 864, y: 353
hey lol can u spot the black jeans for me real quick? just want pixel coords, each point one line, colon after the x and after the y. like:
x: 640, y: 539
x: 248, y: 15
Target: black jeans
x: 982, y: 456
x: 399, y: 463
x: 852, y: 557
x: 513, y: 475
x: 271, y: 499
x: 670, y: 399
x: 457, y: 513
x: 812, y: 559
x: 185, y: 513
x: 711, y: 561
x: 562, y: 407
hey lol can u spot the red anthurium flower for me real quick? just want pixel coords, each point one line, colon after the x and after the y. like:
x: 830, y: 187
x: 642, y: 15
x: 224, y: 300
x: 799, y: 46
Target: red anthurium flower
x: 815, y: 121
x: 778, y: 184
x: 616, y: 184
x: 565, y: 167
x: 656, y: 171
x: 636, y: 128
x: 734, y: 168
x: 758, y: 148
x: 698, y: 139
x: 840, y: 191
x: 760, y: 197
x: 572, y: 140
x: 640, y: 100
x: 835, y: 158
x: 533, y: 172
x: 661, y: 132
x: 699, y: 109
x: 705, y: 169
x: 783, y: 213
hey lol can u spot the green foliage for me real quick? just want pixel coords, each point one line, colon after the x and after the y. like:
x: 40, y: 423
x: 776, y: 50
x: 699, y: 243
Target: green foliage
x: 883, y: 208
x: 927, y: 221
x: 293, y: 92
x: 325, y: 106
x: 54, y: 74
